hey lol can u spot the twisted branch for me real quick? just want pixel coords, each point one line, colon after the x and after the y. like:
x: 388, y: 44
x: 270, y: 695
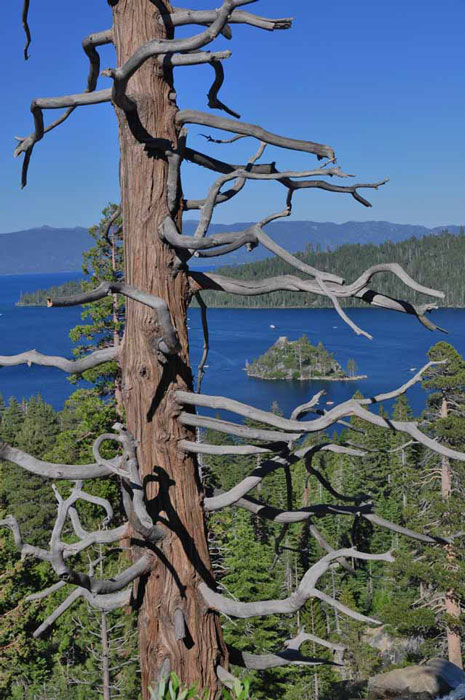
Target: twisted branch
x: 211, y: 281
x: 158, y: 47
x: 26, y: 28
x: 181, y: 17
x: 237, y: 492
x: 352, y: 407
x: 32, y: 357
x: 135, y: 502
x: 168, y: 343
x: 206, y: 343
x: 290, y: 654
x: 69, y: 472
x: 213, y: 101
x: 191, y: 116
x: 89, y: 44
x: 305, y: 590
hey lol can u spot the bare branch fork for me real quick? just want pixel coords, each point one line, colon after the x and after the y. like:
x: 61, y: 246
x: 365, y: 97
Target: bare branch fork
x: 294, y: 429
x: 306, y: 589
x: 103, y: 594
x: 168, y: 343
x: 289, y: 655
x: 89, y: 45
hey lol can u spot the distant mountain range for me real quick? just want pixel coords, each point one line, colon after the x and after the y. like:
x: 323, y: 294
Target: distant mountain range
x: 44, y: 249
x: 49, y: 250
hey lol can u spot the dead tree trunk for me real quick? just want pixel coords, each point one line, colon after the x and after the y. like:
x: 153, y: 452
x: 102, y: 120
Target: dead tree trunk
x: 171, y: 476
x: 454, y: 641
x: 105, y: 658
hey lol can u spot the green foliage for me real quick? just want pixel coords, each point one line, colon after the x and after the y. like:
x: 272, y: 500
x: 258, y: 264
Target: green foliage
x: 253, y: 558
x: 62, y: 663
x: 40, y: 296
x: 297, y: 359
x: 104, y: 319
x: 171, y: 688
x: 435, y: 260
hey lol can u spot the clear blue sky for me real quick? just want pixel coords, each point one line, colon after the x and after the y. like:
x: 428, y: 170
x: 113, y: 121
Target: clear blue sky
x: 382, y: 82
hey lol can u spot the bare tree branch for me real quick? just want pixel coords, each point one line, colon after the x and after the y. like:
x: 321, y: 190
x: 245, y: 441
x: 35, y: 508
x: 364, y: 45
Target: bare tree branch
x: 206, y: 346
x: 232, y: 192
x: 89, y: 44
x: 228, y: 498
x: 352, y: 407
x: 26, y: 550
x: 204, y: 281
x: 168, y: 343
x: 27, y: 31
x: 58, y: 612
x: 105, y: 586
x: 190, y: 116
x: 135, y: 506
x: 32, y: 357
x: 104, y: 603
x: 210, y: 202
x: 181, y: 17
x: 82, y: 99
x: 210, y: 163
x: 305, y: 407
x: 46, y: 592
x: 206, y: 449
x: 319, y: 510
x: 235, y: 429
x: 290, y: 654
x: 294, y: 185
x: 402, y: 389
x: 157, y: 47
x: 106, y: 233
x: 363, y: 510
x: 170, y: 234
x: 213, y: 100
x: 306, y: 589
x: 69, y: 472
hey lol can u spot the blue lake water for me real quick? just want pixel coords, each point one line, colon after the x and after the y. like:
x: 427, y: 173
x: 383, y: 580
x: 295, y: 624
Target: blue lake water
x: 236, y: 335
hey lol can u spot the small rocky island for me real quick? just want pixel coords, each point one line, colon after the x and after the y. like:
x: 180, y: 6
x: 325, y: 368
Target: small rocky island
x: 300, y: 360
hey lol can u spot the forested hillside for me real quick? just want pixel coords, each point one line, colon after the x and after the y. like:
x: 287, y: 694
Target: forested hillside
x: 366, y: 497
x: 400, y: 478
x: 434, y: 260
x: 403, y: 481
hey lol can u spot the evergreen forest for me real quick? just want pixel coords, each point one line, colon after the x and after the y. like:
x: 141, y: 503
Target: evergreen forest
x: 388, y: 478
x: 435, y: 259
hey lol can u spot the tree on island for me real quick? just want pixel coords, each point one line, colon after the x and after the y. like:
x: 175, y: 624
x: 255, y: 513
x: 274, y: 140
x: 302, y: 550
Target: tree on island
x: 296, y: 359
x: 351, y: 367
x: 175, y: 594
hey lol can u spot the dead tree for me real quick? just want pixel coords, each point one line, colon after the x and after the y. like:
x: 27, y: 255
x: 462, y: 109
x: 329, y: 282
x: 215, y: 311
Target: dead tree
x: 173, y: 587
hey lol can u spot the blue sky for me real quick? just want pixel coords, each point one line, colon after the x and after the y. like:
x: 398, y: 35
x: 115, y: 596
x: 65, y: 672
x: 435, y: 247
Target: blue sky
x: 381, y: 82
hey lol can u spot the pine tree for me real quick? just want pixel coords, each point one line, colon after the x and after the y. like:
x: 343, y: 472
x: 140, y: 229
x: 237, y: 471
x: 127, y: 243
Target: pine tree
x: 104, y: 319
x: 446, y: 419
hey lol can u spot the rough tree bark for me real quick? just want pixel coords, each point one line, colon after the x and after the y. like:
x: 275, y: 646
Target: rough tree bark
x: 174, y: 487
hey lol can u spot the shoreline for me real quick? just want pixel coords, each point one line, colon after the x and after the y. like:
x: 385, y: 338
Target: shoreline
x: 278, y: 308
x: 308, y: 379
